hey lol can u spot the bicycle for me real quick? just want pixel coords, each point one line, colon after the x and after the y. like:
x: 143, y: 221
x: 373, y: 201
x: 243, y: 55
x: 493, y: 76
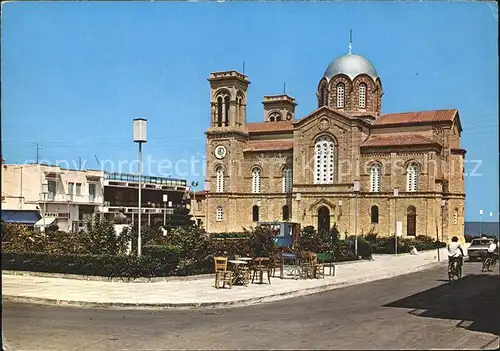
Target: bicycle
x: 454, y: 268
x: 489, y: 264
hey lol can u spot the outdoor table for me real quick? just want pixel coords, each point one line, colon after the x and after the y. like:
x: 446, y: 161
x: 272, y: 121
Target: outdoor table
x: 237, y: 270
x: 245, y: 258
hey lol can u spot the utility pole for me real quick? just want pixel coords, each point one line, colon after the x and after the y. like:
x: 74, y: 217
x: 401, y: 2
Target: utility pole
x: 37, y: 153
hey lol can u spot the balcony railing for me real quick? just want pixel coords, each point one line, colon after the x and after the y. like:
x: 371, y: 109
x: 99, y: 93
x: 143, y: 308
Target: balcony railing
x: 125, y: 177
x: 52, y: 197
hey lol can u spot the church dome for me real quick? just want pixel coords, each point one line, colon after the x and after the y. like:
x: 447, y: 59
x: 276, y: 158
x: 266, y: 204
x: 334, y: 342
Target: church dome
x: 351, y: 65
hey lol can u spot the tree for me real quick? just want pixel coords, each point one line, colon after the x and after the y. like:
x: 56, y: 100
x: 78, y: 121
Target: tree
x: 180, y: 218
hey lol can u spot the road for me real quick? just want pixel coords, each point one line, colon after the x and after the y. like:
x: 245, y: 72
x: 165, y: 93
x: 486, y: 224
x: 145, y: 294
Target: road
x: 416, y: 311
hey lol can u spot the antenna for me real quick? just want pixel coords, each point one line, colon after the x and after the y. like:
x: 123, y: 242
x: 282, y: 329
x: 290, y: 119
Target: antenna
x: 243, y: 67
x: 350, y: 41
x: 97, y: 160
x: 38, y: 148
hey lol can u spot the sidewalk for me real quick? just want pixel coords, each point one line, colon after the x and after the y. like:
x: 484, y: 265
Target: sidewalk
x: 201, y: 292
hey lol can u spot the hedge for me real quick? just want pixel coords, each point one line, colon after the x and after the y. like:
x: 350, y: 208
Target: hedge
x: 92, y: 265
x: 385, y: 245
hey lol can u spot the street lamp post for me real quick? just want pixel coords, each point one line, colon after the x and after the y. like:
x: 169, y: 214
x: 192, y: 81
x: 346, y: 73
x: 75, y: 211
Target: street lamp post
x: 356, y: 191
x: 481, y: 224
x: 396, y: 194
x: 45, y: 190
x: 443, y: 205
x: 170, y: 212
x: 194, y: 185
x: 140, y: 136
x: 165, y: 200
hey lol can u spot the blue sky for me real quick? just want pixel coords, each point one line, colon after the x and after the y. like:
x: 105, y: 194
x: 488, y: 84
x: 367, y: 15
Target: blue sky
x: 74, y: 75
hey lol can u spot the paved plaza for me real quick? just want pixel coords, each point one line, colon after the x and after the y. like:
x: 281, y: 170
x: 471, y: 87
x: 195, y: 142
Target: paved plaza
x: 201, y: 292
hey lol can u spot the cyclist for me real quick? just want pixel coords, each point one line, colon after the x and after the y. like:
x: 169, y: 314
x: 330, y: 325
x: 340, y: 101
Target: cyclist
x: 493, y: 250
x: 455, y: 253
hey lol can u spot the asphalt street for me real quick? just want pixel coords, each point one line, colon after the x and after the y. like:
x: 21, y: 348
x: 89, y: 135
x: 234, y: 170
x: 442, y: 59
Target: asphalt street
x: 415, y: 311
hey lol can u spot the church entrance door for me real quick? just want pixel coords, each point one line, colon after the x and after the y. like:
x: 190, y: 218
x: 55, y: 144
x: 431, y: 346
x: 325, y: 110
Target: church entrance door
x: 323, y: 219
x: 411, y: 221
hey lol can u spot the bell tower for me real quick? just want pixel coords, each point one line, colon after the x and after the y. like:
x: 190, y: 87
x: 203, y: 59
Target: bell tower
x: 228, y: 99
x: 227, y: 134
x: 279, y: 108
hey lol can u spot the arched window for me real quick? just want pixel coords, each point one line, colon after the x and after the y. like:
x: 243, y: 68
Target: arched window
x: 324, y: 160
x: 220, y: 215
x: 256, y: 180
x: 340, y: 95
x: 412, y: 175
x: 226, y: 104
x: 362, y: 95
x: 287, y: 179
x: 286, y: 213
x: 275, y: 117
x: 239, y: 108
x: 374, y: 214
x: 375, y: 178
x: 323, y: 99
x: 219, y: 184
x: 455, y: 216
x: 219, y: 111
x: 255, y: 213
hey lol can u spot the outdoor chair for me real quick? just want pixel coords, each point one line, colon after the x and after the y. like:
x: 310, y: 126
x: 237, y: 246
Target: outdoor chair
x: 244, y: 271
x: 221, y: 273
x: 307, y: 264
x: 261, y: 265
x: 319, y: 268
x: 277, y: 262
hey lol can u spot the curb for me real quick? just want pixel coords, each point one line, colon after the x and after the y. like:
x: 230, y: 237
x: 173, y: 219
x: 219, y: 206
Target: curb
x: 228, y: 304
x: 109, y: 279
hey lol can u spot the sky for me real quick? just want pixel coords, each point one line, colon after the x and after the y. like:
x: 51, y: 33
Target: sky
x: 75, y: 74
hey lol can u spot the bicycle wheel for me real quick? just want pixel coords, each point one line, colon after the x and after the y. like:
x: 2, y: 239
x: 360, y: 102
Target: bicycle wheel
x: 486, y: 264
x: 492, y: 265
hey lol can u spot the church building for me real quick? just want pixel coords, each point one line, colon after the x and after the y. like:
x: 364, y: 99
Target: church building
x: 346, y: 162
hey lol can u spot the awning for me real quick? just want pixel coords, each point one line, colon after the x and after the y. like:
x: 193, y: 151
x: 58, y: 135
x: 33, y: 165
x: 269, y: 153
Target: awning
x: 28, y: 217
x: 48, y: 221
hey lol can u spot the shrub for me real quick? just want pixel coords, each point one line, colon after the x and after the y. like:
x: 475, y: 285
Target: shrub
x: 323, y: 241
x: 385, y: 245
x: 365, y: 248
x: 261, y: 242
x: 371, y: 237
x: 92, y: 265
x: 196, y: 250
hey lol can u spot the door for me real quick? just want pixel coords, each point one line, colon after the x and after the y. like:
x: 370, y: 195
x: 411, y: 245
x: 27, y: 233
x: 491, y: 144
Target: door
x: 323, y: 219
x: 92, y: 192
x: 411, y: 221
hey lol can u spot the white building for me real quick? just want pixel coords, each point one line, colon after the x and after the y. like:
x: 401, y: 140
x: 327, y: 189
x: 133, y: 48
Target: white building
x: 61, y: 196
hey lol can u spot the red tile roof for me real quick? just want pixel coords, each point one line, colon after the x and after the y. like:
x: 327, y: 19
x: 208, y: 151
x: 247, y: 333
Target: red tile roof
x: 200, y: 193
x: 396, y: 140
x: 416, y: 117
x: 269, y: 145
x: 263, y: 127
